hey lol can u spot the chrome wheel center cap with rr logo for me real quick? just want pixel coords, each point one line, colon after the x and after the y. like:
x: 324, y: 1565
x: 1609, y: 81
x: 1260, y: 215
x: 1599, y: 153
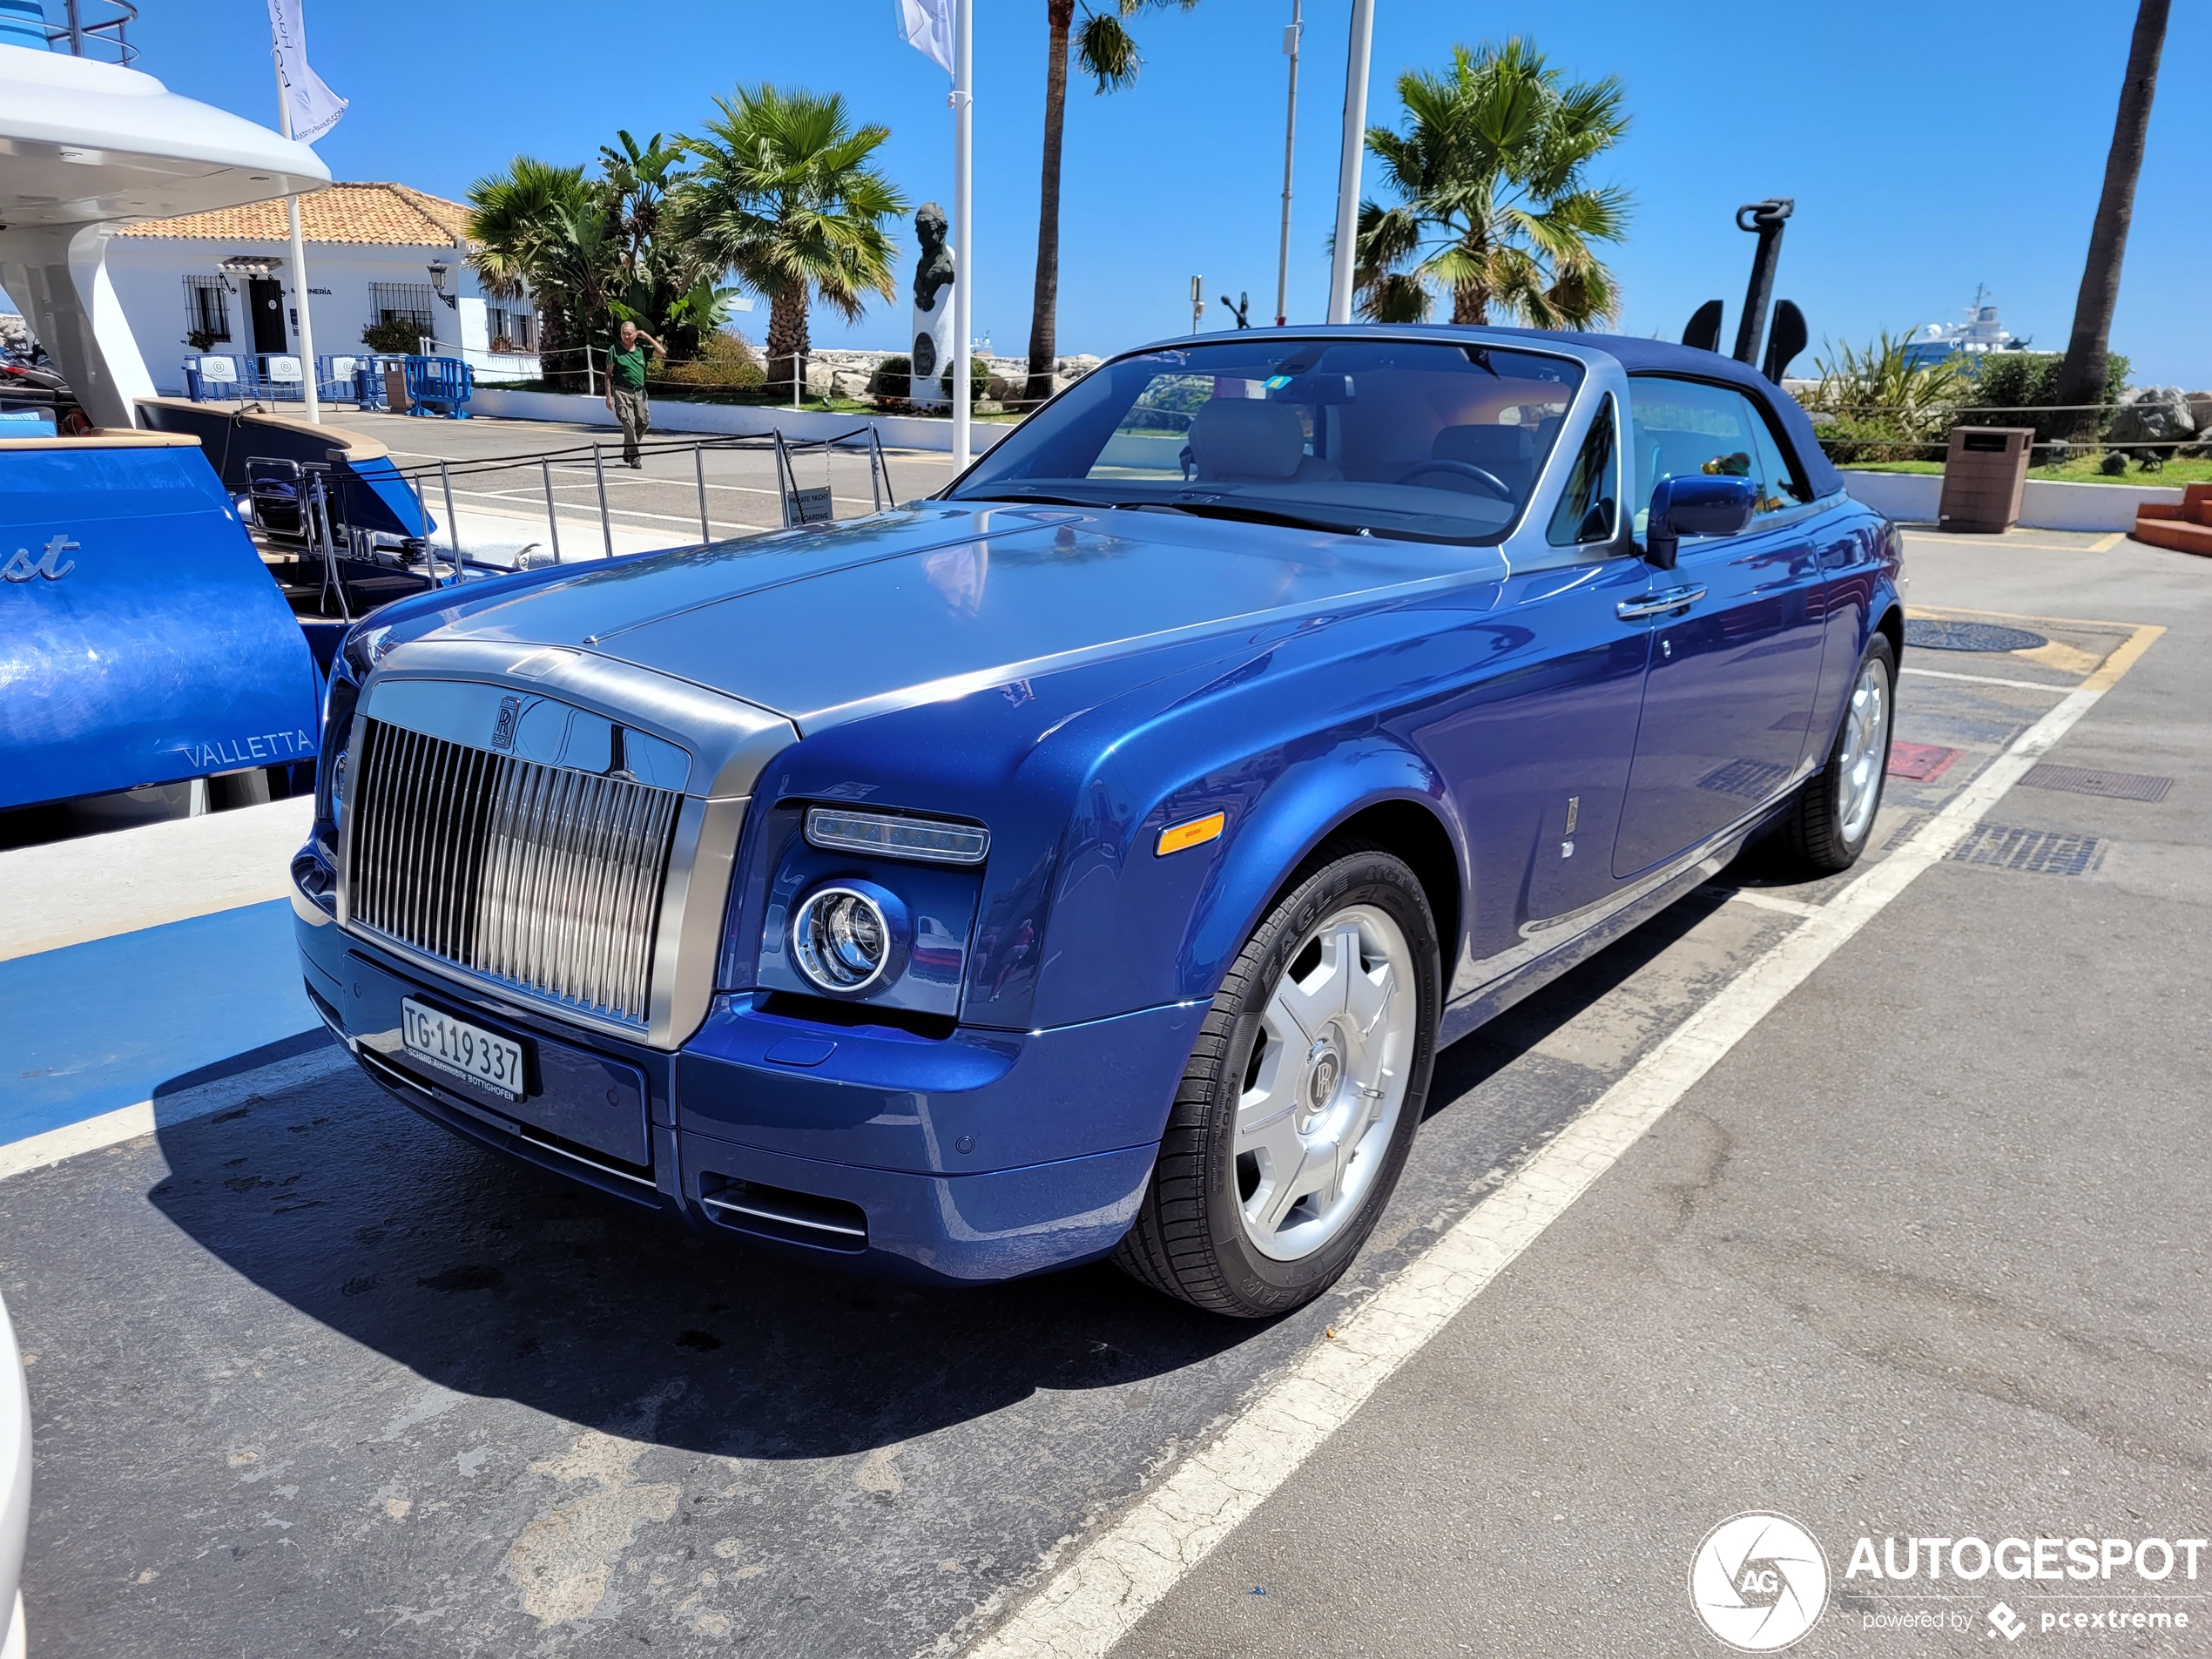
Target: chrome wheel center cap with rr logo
x: 1324, y: 1071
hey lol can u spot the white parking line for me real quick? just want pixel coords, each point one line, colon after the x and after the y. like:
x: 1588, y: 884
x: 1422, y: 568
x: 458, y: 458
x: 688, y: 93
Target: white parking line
x: 1991, y: 679
x: 1116, y: 1578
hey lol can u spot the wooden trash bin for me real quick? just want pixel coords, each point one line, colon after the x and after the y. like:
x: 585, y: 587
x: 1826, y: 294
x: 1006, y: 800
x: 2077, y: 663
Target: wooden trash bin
x: 1984, y: 472
x: 395, y: 397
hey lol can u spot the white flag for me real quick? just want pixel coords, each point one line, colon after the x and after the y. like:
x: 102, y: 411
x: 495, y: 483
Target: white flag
x: 926, y: 25
x: 314, y: 107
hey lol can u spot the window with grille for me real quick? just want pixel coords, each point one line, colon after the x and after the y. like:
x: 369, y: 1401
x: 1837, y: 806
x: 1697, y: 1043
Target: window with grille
x: 207, y: 307
x: 408, y: 300
x: 511, y: 327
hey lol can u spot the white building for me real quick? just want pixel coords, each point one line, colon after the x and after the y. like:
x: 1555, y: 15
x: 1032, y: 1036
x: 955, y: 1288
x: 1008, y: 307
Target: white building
x: 374, y: 252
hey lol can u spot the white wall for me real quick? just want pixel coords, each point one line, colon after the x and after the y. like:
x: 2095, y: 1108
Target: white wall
x: 149, y: 277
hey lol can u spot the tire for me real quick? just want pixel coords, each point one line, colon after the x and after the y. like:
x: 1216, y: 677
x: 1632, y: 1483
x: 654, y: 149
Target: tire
x: 1222, y: 1225
x: 1834, y: 818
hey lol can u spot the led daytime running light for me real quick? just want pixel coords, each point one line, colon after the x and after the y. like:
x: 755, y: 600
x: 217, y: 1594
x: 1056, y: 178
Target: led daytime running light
x: 890, y: 835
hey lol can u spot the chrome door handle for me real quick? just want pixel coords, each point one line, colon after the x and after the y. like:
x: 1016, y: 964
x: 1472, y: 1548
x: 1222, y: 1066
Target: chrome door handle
x: 1653, y: 604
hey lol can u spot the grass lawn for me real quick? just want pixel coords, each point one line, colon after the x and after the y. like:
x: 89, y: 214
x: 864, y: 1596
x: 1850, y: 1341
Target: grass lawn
x: 2081, y: 470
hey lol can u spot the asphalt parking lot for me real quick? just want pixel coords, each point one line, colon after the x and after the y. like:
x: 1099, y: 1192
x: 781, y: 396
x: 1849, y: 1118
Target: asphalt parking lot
x: 1919, y: 1250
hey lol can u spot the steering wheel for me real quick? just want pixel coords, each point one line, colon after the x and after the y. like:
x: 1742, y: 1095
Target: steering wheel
x: 1489, y: 480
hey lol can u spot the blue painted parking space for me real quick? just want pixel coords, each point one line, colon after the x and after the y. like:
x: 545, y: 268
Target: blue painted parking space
x: 109, y: 1024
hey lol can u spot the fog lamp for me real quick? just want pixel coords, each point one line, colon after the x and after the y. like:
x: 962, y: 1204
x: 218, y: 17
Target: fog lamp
x: 844, y: 938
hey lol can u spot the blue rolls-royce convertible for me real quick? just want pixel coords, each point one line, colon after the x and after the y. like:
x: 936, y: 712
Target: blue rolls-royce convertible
x: 1089, y: 861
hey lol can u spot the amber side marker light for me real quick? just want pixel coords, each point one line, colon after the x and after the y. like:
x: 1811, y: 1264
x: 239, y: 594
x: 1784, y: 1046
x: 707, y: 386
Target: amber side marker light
x: 1196, y: 833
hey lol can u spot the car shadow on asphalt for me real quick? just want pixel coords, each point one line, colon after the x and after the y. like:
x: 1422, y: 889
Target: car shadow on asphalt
x: 1475, y: 1059
x: 498, y: 1280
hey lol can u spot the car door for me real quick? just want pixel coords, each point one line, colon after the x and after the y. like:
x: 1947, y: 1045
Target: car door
x: 1735, y: 661
x: 1537, y: 750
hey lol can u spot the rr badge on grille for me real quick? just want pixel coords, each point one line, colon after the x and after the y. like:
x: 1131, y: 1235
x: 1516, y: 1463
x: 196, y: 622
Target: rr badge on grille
x: 502, y: 733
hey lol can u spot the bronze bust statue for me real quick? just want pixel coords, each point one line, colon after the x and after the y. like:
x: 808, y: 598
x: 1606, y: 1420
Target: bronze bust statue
x: 934, y: 269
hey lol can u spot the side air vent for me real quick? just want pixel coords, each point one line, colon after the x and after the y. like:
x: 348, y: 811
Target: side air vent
x: 778, y: 1212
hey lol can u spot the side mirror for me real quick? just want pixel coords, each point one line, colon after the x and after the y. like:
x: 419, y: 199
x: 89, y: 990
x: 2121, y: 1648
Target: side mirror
x: 1695, y: 505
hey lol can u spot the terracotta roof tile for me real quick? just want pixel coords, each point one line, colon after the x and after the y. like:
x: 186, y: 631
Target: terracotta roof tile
x: 386, y: 213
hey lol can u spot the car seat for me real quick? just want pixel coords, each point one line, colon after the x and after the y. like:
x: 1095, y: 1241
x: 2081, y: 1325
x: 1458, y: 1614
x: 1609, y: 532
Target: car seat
x: 1249, y: 440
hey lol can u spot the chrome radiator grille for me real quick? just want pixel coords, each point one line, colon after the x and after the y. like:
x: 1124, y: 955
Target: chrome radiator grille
x: 545, y: 878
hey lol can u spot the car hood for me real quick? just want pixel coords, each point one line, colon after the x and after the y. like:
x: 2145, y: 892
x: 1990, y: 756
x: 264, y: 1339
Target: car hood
x: 826, y: 625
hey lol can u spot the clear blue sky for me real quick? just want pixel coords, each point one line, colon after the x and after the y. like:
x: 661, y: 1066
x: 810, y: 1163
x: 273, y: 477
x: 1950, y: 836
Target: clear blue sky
x: 1929, y: 147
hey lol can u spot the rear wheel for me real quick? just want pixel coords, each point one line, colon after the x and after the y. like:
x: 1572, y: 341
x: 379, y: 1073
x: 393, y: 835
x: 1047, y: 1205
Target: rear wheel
x: 1302, y: 1097
x: 1833, y: 818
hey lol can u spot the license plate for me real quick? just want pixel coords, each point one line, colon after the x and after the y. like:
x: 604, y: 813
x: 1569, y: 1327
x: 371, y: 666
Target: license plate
x: 438, y: 1040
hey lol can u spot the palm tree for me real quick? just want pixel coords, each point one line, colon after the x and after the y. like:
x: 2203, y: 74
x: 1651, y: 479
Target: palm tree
x: 541, y: 227
x: 783, y: 198
x: 2087, y: 368
x: 1109, y: 56
x: 1493, y: 206
x: 667, y: 288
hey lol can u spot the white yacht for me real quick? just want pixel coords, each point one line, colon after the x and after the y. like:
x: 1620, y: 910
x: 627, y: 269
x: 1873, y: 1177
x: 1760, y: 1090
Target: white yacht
x: 1982, y: 331
x: 87, y: 147
x: 147, y: 644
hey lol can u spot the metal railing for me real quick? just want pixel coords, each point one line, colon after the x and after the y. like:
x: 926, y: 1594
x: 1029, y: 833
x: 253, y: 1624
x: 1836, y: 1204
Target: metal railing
x: 107, y: 35
x: 798, y: 505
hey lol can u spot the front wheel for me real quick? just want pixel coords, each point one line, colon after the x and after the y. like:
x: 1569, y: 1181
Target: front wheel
x: 1300, y: 1102
x: 1833, y: 818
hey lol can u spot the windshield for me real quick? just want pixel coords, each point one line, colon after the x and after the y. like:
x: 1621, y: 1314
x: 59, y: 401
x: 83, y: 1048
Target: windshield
x: 1425, y: 440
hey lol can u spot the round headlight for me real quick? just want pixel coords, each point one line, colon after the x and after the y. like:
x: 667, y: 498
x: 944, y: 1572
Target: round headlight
x: 842, y: 939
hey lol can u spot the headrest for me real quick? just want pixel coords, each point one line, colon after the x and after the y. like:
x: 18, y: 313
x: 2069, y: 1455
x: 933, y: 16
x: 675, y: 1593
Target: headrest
x: 1246, y: 437
x: 1484, y: 446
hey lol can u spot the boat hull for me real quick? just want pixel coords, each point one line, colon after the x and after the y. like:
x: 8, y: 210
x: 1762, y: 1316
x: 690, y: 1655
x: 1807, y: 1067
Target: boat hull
x: 141, y: 639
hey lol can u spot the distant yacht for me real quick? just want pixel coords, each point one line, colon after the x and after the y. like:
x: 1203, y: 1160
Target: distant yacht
x: 1981, y: 331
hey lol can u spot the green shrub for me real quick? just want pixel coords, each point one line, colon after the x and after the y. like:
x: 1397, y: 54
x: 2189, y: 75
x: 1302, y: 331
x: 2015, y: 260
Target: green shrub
x: 979, y: 380
x: 2007, y: 383
x: 892, y: 380
x: 726, y: 362
x: 398, y: 336
x: 1881, y: 406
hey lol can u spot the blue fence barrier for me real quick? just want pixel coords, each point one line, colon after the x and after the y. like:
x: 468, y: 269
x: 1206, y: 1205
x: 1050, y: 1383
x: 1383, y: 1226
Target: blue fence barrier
x: 340, y: 377
x: 440, y: 386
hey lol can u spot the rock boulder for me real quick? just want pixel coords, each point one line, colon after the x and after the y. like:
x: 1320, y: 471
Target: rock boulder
x: 2152, y: 414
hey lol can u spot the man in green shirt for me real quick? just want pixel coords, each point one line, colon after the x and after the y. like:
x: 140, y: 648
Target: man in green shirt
x: 626, y: 387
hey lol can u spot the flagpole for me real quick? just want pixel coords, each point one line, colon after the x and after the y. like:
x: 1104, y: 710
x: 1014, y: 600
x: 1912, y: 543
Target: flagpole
x: 963, y: 220
x: 1355, y: 140
x: 1291, y: 41
x: 298, y: 262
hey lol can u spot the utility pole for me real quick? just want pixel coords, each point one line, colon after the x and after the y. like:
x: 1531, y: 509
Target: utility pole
x: 1290, y: 150
x: 1355, y: 140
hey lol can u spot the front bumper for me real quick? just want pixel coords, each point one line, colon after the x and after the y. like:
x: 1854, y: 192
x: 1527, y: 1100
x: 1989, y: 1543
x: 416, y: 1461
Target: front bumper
x: 984, y: 1156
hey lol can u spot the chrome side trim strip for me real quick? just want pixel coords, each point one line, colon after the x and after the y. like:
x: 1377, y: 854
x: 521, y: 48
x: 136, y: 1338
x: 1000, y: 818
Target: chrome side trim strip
x: 783, y: 1220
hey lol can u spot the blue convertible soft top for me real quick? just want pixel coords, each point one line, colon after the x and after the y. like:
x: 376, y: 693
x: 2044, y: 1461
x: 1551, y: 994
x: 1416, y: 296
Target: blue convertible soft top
x: 141, y: 639
x: 1641, y: 356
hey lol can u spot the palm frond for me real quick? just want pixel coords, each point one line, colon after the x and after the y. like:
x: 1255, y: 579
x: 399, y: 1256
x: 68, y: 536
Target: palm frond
x: 1106, y: 52
x: 1488, y: 166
